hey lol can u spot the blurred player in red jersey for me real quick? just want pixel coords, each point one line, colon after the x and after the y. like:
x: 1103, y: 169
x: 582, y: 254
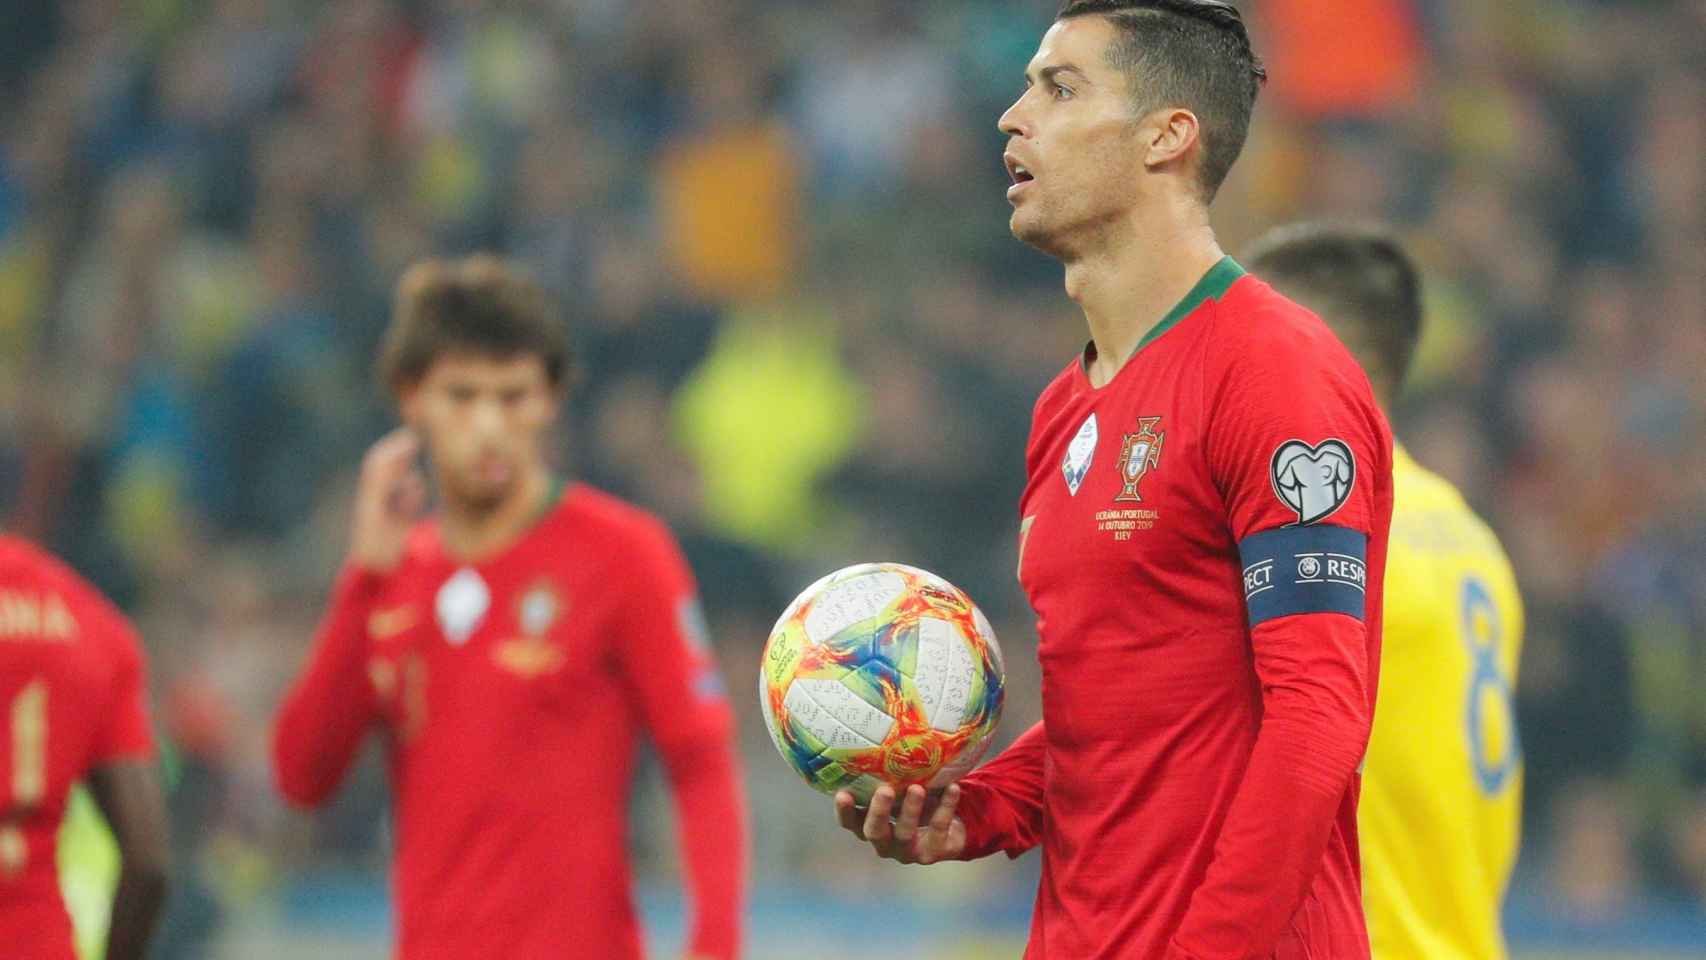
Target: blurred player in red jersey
x: 1203, y: 538
x: 72, y: 707
x: 511, y: 650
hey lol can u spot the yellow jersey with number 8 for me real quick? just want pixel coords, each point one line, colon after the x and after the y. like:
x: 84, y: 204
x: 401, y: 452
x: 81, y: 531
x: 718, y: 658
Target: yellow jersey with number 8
x: 1440, y: 817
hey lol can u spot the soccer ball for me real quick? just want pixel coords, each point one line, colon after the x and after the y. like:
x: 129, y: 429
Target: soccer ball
x: 881, y: 673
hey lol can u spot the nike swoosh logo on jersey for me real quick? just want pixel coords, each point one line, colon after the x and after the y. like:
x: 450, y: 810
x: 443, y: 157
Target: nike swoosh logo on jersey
x: 387, y: 623
x: 1024, y: 536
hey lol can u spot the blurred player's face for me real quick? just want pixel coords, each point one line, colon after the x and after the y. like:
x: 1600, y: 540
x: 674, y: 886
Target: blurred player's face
x: 483, y: 420
x: 1073, y: 150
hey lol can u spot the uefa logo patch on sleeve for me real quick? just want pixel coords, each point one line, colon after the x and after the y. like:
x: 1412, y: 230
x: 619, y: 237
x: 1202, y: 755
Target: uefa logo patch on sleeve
x: 1079, y: 454
x: 1313, y: 481
x: 695, y: 629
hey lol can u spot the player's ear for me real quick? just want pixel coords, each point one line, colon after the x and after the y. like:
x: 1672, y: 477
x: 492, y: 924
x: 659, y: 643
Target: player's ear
x: 1168, y: 135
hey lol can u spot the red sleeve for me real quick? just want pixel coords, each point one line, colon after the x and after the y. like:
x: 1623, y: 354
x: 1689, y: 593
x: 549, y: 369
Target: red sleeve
x: 1001, y: 802
x: 326, y: 714
x: 1286, y: 409
x: 665, y: 654
x: 125, y: 733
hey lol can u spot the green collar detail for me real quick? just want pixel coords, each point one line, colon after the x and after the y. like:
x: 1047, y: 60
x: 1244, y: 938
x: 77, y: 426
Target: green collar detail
x: 1212, y: 286
x: 553, y: 496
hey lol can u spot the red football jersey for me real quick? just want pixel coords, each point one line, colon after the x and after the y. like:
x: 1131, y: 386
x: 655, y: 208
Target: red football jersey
x: 512, y: 693
x: 71, y: 699
x: 1203, y: 540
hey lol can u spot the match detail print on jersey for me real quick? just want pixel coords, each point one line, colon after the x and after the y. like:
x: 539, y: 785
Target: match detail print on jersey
x: 1313, y: 569
x: 1313, y: 481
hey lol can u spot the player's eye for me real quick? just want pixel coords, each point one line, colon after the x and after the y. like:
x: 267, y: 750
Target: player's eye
x: 461, y: 395
x: 1061, y: 93
x: 511, y: 398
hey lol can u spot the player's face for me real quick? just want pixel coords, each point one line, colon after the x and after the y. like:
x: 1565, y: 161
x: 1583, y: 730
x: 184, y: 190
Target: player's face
x: 1072, y: 149
x: 484, y: 421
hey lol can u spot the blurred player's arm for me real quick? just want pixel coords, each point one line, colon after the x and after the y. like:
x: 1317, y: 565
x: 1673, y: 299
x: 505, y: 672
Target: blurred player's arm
x: 129, y: 796
x: 998, y: 807
x: 125, y: 784
x: 667, y: 661
x: 1309, y: 645
x: 326, y: 714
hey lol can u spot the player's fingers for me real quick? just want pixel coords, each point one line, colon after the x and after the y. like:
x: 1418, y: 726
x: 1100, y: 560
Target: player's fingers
x: 847, y: 813
x: 934, y: 842
x: 878, y: 830
x: 396, y: 443
x: 911, y: 810
x: 411, y: 495
x: 379, y: 478
x: 394, y: 453
x: 943, y: 817
x: 408, y: 446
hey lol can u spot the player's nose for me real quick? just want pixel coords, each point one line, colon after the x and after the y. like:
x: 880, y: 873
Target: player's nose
x: 488, y: 417
x: 1013, y: 122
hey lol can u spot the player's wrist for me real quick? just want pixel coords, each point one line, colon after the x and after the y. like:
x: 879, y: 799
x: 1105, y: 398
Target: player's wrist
x: 360, y: 569
x: 357, y: 585
x: 977, y: 841
x: 377, y: 560
x: 368, y: 567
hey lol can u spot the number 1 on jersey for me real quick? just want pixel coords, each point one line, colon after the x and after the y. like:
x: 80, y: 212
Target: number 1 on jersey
x: 27, y: 717
x: 29, y: 745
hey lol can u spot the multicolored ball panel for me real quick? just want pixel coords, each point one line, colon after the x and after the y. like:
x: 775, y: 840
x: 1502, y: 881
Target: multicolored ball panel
x: 881, y: 673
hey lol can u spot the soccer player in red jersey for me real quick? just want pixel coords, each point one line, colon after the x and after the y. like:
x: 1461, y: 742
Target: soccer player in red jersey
x: 72, y: 707
x: 1203, y: 538
x: 511, y: 650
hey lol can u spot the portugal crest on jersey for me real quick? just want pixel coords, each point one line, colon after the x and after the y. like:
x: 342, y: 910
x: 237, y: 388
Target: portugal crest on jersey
x: 1313, y: 481
x: 1140, y: 452
x: 533, y: 653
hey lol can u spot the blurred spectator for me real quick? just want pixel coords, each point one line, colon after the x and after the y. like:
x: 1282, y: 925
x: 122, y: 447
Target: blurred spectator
x: 727, y: 186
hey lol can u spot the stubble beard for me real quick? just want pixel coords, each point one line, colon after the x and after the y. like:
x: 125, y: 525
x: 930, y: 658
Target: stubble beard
x: 468, y: 499
x: 1048, y: 236
x: 1035, y: 234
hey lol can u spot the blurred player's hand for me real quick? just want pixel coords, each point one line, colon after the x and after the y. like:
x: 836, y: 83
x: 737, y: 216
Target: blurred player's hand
x: 909, y: 835
x: 389, y: 496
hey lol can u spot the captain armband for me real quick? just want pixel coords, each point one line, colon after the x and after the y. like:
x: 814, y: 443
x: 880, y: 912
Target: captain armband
x: 1305, y: 569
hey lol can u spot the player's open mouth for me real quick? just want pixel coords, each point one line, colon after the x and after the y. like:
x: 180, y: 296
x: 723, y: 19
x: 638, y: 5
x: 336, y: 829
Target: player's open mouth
x: 1018, y: 173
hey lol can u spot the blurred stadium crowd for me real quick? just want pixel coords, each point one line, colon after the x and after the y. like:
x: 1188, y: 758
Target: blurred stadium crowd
x: 806, y: 338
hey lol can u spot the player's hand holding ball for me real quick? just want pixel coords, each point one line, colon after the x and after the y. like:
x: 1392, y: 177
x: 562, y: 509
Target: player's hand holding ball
x: 924, y: 831
x: 389, y: 497
x: 882, y: 684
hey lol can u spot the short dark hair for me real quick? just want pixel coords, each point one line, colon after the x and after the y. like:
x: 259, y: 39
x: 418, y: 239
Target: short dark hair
x: 478, y: 304
x: 1190, y: 53
x: 1358, y: 278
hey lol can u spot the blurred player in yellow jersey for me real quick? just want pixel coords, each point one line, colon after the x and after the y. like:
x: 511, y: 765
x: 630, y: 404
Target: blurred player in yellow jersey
x: 1440, y: 816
